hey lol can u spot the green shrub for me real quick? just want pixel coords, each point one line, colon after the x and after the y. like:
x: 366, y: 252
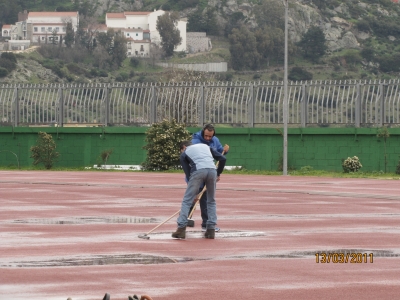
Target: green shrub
x: 76, y: 69
x: 363, y: 25
x: 162, y: 145
x: 44, y: 150
x: 103, y: 73
x: 3, y: 72
x: 398, y: 168
x: 134, y: 62
x: 9, y: 56
x: 298, y: 74
x: 383, y: 133
x: 103, y: 157
x: 351, y: 164
x: 94, y: 73
x: 122, y: 77
x: 352, y: 56
x: 7, y: 64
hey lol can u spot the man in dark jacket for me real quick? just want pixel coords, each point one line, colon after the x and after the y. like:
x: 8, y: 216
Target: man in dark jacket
x: 198, y: 164
x: 207, y: 136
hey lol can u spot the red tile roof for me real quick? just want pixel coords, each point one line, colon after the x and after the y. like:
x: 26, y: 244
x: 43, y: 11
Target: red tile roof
x: 115, y: 16
x: 35, y: 14
x: 127, y: 13
x: 137, y: 12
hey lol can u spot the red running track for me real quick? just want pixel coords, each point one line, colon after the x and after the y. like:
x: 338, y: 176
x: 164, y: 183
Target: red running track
x: 75, y: 234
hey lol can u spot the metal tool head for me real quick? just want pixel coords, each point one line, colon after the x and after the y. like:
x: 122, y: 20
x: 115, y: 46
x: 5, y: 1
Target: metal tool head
x: 144, y: 236
x: 190, y: 223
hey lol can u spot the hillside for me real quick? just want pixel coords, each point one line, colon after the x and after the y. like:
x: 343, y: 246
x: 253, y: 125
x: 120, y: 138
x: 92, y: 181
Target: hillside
x: 362, y: 40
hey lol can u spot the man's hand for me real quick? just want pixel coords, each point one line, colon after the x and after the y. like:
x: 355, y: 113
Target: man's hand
x: 226, y: 148
x: 218, y: 178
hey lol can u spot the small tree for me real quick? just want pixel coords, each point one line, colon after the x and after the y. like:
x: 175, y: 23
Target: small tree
x: 103, y: 157
x: 313, y: 43
x: 169, y: 33
x: 162, y: 145
x: 44, y: 151
x: 384, y: 133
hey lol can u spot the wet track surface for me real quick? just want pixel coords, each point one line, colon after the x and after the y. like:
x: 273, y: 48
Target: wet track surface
x: 76, y: 234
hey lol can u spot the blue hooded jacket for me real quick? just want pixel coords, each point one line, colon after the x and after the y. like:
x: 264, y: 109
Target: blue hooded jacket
x: 213, y: 143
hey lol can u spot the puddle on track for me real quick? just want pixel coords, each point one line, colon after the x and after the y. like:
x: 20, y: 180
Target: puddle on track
x: 88, y: 220
x: 98, y: 260
x: 143, y: 259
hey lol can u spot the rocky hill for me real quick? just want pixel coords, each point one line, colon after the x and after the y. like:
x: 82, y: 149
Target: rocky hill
x: 338, y: 19
x: 362, y: 37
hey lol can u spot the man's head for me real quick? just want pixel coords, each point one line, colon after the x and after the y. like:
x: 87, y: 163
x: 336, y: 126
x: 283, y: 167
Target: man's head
x: 184, y: 144
x: 208, y: 132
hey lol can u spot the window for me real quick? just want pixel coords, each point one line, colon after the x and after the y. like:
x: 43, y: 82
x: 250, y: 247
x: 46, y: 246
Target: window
x: 43, y: 38
x: 42, y: 29
x: 64, y: 29
x: 57, y: 29
x: 141, y: 48
x: 137, y: 34
x: 35, y: 29
x: 49, y: 29
x: 127, y: 34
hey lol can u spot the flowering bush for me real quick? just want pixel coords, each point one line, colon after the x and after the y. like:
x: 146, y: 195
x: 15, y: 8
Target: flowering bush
x: 162, y: 146
x: 351, y: 164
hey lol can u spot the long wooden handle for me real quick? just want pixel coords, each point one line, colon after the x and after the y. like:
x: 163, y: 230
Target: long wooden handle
x: 163, y: 222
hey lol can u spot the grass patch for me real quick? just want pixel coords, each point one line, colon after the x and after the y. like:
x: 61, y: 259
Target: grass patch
x: 302, y: 172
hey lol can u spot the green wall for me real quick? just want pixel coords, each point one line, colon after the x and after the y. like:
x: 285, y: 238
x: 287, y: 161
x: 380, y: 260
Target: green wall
x: 252, y: 148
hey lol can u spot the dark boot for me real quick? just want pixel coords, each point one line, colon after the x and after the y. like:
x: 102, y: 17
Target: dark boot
x: 209, y: 234
x: 180, y: 233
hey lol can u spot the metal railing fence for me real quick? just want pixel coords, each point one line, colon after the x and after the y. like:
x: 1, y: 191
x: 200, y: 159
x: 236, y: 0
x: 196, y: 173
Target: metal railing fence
x: 247, y: 104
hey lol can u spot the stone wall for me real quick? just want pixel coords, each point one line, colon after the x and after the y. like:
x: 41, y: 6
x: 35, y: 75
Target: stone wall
x: 197, y: 42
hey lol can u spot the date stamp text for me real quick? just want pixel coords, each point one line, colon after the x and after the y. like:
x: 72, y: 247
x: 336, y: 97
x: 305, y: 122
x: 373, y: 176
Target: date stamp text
x: 343, y: 258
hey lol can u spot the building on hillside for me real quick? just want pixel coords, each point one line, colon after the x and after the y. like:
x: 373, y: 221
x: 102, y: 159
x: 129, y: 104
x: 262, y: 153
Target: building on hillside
x: 140, y: 30
x: 40, y: 27
x: 6, y: 30
x: 46, y: 25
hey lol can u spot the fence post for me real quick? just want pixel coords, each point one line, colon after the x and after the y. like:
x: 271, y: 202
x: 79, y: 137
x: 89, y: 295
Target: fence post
x: 382, y: 104
x: 153, y: 111
x: 16, y: 107
x: 304, y: 106
x: 107, y: 105
x: 60, y: 107
x: 201, y: 106
x: 358, y: 106
x: 251, y: 106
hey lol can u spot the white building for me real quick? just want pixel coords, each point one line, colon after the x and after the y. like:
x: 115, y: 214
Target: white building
x: 45, y: 24
x: 40, y: 27
x: 6, y: 30
x: 141, y: 28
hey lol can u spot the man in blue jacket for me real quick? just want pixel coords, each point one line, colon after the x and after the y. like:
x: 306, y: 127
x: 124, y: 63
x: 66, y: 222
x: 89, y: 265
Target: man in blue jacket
x: 207, y: 136
x: 198, y: 164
